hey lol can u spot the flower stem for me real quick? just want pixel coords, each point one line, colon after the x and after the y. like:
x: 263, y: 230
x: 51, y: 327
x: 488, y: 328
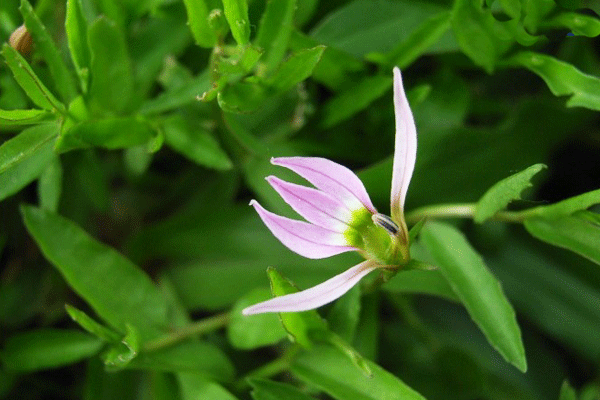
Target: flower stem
x: 463, y: 210
x: 197, y: 328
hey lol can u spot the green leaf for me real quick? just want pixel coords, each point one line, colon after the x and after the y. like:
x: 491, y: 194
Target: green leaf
x: 24, y: 157
x: 50, y: 185
x: 195, y: 386
x: 503, y: 192
x: 578, y: 24
x: 562, y: 78
x: 241, y: 97
x: 421, y: 282
x: 236, y: 12
x: 63, y: 80
x: 48, y: 348
x: 275, y: 29
x: 572, y: 232
x: 76, y: 28
x: 121, y: 354
x: 91, y: 325
x: 126, y: 296
x: 264, y: 389
x: 327, y: 369
x: 261, y: 330
x: 196, y: 144
x: 567, y: 392
x: 477, y: 288
x: 568, y: 206
x: 417, y: 42
x: 477, y: 31
x: 343, y: 316
x: 111, y: 133
x: 21, y: 117
x: 300, y: 325
x: 389, y: 23
x: 29, y: 81
x: 178, y: 97
x: 112, y: 78
x: 190, y: 356
x: 355, y: 99
x: 296, y: 68
x: 197, y: 13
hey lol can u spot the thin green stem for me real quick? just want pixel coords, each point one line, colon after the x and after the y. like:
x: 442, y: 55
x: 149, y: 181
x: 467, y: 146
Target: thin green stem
x: 197, y: 328
x: 464, y: 210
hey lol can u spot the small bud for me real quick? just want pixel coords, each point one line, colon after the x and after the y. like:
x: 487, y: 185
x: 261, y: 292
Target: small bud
x: 21, y: 40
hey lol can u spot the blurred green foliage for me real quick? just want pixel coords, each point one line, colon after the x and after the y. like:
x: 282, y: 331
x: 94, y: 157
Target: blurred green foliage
x: 133, y: 134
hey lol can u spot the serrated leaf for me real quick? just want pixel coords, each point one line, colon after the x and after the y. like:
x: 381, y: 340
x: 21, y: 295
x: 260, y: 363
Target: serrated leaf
x: 126, y: 296
x: 197, y: 13
x: 477, y: 288
x: 562, y: 78
x: 63, y: 80
x: 503, y: 192
x: 111, y: 73
x: 264, y: 389
x: 21, y: 117
x: 296, y: 68
x: 196, y: 144
x: 571, y: 232
x: 236, y: 12
x: 568, y: 206
x: 329, y: 370
x: 24, y: 157
x: 275, y: 29
x: 29, y: 81
x: 48, y: 348
x: 76, y: 28
x: 260, y: 330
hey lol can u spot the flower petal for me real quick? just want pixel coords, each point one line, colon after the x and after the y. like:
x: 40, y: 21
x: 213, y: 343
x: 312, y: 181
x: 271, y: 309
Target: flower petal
x: 316, y: 296
x: 330, y: 177
x: 308, y: 240
x: 314, y: 205
x: 405, y: 152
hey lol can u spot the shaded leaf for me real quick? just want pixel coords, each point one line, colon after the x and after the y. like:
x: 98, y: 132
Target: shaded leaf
x: 50, y: 185
x: 92, y: 326
x: 126, y: 296
x: 76, y: 28
x: 111, y: 133
x: 477, y: 288
x: 296, y: 68
x: 48, y: 348
x: 275, y: 29
x: 264, y: 389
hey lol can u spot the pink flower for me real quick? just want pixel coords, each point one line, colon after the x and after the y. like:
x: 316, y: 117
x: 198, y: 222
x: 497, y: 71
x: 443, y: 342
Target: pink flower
x: 341, y: 217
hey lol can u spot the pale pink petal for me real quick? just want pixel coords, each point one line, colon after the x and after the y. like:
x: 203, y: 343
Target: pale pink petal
x: 316, y: 296
x: 308, y: 240
x: 405, y: 152
x: 330, y: 177
x: 314, y: 205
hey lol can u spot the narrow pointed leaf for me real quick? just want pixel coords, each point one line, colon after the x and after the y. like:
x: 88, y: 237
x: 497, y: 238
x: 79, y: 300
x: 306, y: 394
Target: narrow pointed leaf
x: 573, y: 232
x: 63, y: 80
x: 270, y: 390
x: 24, y: 157
x: 275, y: 29
x: 329, y: 370
x: 50, y: 185
x: 236, y: 12
x: 76, y: 28
x: 568, y: 206
x: 110, y: 133
x: 195, y: 386
x: 21, y: 117
x: 29, y: 81
x: 126, y: 296
x: 503, y: 192
x: 296, y: 68
x: 91, y: 325
x: 567, y: 392
x: 111, y: 73
x: 197, y: 13
x: 477, y: 288
x: 48, y: 348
